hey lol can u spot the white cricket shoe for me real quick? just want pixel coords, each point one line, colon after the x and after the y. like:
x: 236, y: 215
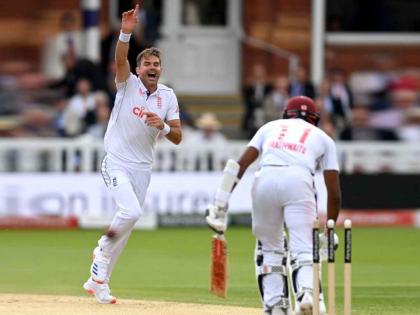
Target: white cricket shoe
x: 278, y: 311
x: 99, y: 267
x: 304, y: 305
x: 101, y: 291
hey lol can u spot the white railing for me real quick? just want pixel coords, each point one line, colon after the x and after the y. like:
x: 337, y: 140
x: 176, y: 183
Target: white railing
x: 85, y: 155
x: 372, y: 157
x: 372, y: 39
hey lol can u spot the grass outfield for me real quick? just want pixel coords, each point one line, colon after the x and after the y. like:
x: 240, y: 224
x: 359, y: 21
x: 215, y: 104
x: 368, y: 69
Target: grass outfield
x: 173, y: 265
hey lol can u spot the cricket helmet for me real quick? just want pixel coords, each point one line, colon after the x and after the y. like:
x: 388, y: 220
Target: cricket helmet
x: 302, y: 107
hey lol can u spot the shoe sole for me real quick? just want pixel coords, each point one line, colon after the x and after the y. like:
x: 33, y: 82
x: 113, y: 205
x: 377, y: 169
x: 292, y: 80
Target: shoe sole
x: 306, y: 310
x: 91, y: 292
x: 114, y: 301
x: 88, y: 290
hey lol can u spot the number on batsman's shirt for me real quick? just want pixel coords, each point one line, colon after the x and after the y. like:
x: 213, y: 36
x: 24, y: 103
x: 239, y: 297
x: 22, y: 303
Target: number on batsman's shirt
x: 295, y: 142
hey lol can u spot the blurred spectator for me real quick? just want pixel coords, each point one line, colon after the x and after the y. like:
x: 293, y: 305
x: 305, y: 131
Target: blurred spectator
x: 20, y: 87
x: 10, y: 126
x: 102, y: 113
x: 208, y: 134
x: 137, y: 44
x: 67, y: 41
x: 9, y: 101
x: 38, y: 122
x: 187, y: 122
x: 410, y: 131
x: 12, y: 82
x: 190, y: 133
x: 153, y: 20
x: 108, y: 44
x: 324, y: 100
x: 80, y: 110
x: 76, y: 69
x: 254, y: 93
x: 302, y: 85
x: 335, y: 100
x: 275, y: 101
x: 340, y: 93
x: 372, y: 86
x: 328, y: 127
x: 209, y: 130
x: 403, y: 96
x: 111, y: 87
x: 405, y: 82
x: 360, y: 130
x: 385, y: 71
x: 59, y: 123
x: 147, y: 29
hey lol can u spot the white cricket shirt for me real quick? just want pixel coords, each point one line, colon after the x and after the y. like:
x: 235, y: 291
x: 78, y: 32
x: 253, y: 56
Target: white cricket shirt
x: 295, y: 142
x: 128, y: 139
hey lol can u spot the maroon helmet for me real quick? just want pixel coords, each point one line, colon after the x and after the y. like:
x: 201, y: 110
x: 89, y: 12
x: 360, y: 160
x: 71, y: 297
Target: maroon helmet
x: 302, y: 107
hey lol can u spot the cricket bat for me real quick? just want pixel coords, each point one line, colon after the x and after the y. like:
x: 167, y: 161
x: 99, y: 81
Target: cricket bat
x: 219, y: 266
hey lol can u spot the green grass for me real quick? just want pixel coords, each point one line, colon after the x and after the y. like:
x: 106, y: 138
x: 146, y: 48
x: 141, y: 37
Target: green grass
x: 173, y: 265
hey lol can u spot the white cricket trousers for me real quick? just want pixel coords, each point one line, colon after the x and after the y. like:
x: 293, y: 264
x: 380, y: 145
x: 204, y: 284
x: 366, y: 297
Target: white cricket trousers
x: 284, y: 195
x: 128, y: 188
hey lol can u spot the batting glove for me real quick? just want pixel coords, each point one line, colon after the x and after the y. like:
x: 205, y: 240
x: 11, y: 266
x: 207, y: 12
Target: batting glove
x: 323, y: 245
x: 216, y: 218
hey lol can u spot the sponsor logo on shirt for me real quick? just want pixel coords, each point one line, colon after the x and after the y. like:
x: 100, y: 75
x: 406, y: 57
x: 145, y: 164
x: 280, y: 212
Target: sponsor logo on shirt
x: 138, y: 111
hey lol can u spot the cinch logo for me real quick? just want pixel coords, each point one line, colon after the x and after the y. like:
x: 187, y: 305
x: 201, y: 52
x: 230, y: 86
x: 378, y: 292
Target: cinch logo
x: 138, y: 111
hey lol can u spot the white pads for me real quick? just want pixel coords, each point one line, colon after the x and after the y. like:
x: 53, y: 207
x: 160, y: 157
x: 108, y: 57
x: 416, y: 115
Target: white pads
x: 229, y: 178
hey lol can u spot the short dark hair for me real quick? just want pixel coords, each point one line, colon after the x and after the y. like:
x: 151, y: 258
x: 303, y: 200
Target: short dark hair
x: 152, y: 51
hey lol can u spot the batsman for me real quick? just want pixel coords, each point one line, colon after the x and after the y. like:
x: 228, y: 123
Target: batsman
x: 283, y: 195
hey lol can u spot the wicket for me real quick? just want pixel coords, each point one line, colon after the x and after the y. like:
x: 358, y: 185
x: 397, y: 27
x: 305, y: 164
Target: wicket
x: 347, y: 267
x: 315, y: 266
x: 331, y: 267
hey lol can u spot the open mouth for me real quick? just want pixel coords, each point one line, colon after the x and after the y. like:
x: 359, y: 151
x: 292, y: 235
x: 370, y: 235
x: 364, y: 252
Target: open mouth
x: 152, y: 76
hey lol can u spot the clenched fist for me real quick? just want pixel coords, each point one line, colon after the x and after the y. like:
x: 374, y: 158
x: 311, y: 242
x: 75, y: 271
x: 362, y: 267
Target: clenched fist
x: 153, y: 120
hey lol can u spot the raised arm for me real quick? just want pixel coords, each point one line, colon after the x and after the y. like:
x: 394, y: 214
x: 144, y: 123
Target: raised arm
x: 128, y: 24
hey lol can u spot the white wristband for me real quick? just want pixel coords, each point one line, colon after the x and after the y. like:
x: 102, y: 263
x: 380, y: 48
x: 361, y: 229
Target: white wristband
x: 125, y: 38
x: 166, y: 129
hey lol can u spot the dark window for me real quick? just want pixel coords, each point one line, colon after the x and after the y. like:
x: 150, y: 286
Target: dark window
x: 373, y: 16
x: 204, y: 12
